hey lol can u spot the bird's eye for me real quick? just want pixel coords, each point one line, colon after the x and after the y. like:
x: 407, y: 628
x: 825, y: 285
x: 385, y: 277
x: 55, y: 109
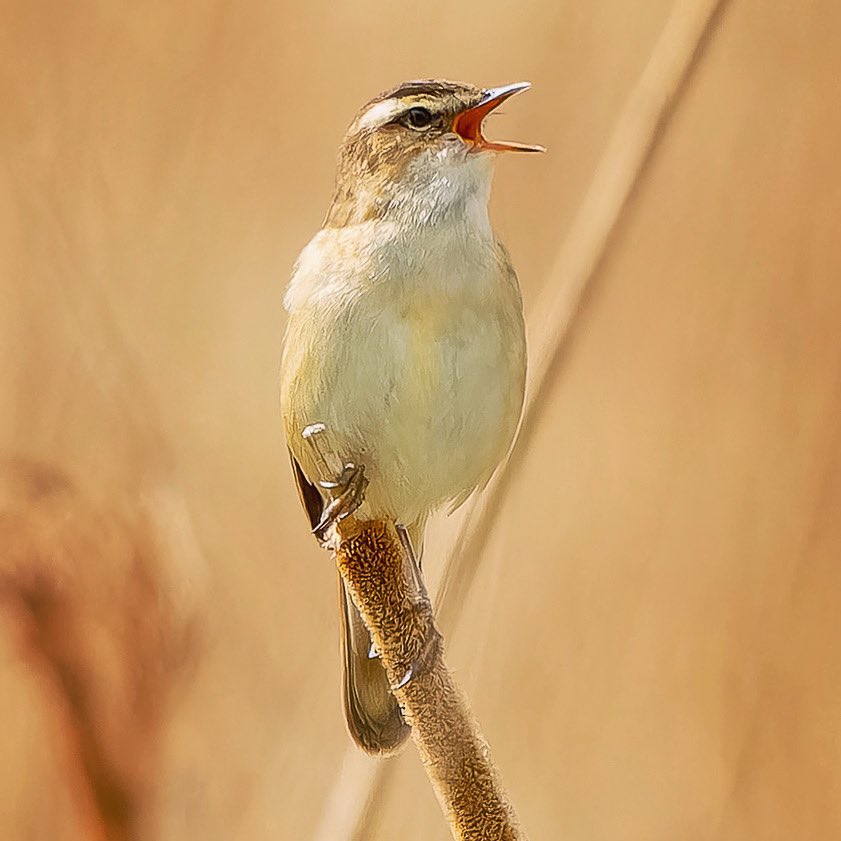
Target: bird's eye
x: 418, y: 118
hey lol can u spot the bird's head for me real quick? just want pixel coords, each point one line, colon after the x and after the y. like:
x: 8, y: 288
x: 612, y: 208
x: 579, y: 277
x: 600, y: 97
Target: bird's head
x: 418, y: 152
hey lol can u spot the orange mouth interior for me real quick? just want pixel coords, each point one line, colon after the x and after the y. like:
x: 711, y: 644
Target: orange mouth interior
x: 468, y: 125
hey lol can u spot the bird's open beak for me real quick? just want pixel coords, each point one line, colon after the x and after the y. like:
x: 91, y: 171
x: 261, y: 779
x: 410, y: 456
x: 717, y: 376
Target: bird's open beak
x: 468, y: 124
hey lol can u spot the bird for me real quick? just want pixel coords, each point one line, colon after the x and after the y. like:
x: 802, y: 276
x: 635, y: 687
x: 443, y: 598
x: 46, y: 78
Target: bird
x: 404, y: 354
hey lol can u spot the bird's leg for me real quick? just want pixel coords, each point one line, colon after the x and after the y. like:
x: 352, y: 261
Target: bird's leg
x: 430, y: 648
x: 344, y: 492
x: 415, y: 575
x: 414, y: 561
x: 423, y: 609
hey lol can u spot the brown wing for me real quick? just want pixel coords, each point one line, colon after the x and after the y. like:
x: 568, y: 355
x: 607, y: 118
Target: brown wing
x: 311, y: 497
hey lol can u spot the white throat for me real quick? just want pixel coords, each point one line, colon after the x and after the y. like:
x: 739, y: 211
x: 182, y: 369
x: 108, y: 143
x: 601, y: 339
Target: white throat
x: 449, y: 187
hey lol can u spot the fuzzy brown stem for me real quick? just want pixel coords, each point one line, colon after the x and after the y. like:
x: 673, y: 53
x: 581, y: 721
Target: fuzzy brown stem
x: 372, y: 561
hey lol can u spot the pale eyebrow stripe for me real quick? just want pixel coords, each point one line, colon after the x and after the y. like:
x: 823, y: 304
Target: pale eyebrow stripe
x: 379, y: 113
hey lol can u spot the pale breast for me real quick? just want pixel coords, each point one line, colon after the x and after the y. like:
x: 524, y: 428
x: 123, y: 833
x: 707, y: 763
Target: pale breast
x: 418, y: 374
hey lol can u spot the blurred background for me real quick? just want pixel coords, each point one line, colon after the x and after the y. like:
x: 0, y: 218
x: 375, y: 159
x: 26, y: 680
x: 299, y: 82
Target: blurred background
x: 652, y: 640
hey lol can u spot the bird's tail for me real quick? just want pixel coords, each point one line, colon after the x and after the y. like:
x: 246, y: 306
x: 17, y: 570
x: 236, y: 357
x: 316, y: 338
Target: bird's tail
x: 371, y: 710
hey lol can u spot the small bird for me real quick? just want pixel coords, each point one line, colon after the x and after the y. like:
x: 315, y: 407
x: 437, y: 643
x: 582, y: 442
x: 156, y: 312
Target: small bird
x: 405, y: 351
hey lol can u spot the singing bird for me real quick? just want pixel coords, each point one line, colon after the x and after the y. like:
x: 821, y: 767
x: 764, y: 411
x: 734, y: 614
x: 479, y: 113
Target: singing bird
x: 404, y: 355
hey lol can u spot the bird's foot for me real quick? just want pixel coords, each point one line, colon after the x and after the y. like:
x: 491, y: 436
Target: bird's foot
x: 430, y: 649
x: 346, y: 493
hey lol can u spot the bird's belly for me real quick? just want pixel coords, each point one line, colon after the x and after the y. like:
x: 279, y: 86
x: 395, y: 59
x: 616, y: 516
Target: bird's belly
x: 448, y: 402
x: 419, y: 377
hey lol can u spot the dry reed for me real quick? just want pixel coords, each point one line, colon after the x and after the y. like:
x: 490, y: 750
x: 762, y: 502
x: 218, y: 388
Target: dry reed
x: 372, y: 561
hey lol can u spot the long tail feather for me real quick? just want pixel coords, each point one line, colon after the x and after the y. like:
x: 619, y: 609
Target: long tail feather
x: 372, y: 712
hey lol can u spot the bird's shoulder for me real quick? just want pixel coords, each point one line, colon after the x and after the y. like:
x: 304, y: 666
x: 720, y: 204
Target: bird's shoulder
x: 335, y: 263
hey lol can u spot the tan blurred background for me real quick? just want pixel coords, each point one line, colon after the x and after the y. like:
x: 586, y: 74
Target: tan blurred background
x: 652, y: 645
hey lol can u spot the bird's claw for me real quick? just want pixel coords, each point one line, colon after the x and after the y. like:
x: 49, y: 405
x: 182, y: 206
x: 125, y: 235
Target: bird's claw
x: 410, y: 673
x: 426, y: 657
x: 346, y: 494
